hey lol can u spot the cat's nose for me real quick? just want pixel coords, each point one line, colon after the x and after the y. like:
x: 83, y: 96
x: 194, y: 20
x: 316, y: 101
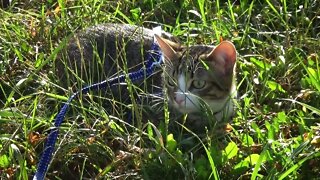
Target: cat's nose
x: 180, y: 99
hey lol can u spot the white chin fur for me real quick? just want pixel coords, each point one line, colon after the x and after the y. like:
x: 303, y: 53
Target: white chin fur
x: 192, y: 105
x: 185, y: 109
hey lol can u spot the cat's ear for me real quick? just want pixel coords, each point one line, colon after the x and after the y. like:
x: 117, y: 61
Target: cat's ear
x: 168, y: 48
x: 223, y: 57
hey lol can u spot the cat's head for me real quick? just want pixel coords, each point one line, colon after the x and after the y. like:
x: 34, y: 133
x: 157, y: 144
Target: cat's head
x: 197, y: 74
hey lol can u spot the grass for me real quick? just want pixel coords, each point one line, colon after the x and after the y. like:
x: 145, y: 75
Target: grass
x: 274, y: 135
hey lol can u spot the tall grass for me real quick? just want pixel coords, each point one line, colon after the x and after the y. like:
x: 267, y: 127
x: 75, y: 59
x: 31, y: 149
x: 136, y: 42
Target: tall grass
x: 275, y: 131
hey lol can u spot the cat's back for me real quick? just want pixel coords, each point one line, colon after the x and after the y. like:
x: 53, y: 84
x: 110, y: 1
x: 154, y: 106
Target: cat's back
x: 98, y: 52
x: 113, y: 37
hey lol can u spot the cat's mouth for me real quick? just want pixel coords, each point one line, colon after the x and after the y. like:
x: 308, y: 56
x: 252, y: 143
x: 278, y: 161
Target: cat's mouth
x: 185, y: 110
x: 185, y: 103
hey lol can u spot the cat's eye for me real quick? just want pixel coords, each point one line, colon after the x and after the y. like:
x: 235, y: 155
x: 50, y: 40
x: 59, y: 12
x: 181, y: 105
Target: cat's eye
x: 171, y: 81
x: 199, y: 84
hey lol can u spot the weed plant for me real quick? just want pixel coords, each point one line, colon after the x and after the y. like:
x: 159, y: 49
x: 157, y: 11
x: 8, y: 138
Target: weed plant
x: 275, y: 133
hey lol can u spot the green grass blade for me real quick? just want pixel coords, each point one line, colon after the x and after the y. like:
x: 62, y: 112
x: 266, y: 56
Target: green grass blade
x: 212, y: 164
x: 256, y: 169
x: 276, y: 12
x: 299, y: 164
x: 201, y: 4
x: 313, y: 109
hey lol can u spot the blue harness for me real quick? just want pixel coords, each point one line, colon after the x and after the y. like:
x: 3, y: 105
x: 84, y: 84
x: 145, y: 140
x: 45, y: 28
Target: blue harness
x: 154, y: 59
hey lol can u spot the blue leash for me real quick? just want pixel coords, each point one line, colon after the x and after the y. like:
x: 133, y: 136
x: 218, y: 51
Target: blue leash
x: 154, y: 60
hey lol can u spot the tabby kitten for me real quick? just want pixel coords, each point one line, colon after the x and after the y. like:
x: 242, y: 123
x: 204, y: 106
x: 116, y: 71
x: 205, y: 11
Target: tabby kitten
x: 197, y: 78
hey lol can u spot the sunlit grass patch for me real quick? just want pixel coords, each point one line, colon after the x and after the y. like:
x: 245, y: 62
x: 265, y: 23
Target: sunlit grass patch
x: 275, y: 131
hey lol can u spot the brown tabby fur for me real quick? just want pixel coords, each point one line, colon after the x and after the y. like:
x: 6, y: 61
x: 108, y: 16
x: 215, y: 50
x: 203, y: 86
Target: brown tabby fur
x: 197, y: 75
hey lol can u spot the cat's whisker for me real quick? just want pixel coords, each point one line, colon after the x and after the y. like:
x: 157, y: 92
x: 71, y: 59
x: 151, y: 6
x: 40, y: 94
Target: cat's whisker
x: 159, y: 104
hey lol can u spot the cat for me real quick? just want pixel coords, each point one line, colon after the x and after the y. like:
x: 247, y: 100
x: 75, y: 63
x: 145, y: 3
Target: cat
x: 197, y: 79
x: 199, y: 76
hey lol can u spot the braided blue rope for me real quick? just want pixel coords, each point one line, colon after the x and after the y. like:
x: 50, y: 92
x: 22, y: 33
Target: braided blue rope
x: 154, y: 59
